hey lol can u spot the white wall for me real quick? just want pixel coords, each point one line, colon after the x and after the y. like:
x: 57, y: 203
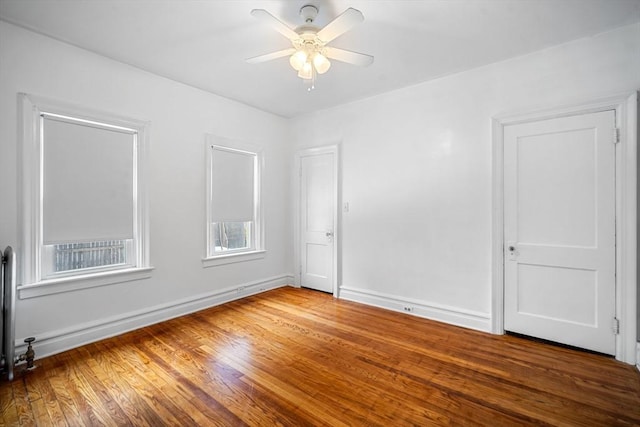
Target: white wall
x: 416, y: 167
x: 179, y: 116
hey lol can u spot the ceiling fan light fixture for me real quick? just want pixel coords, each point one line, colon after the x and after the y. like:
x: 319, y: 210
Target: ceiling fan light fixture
x: 321, y: 63
x: 306, y: 72
x: 309, y: 54
x: 298, y: 59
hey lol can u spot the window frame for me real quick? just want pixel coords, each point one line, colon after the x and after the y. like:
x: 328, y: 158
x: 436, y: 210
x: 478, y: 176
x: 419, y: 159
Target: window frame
x: 32, y: 283
x: 256, y: 249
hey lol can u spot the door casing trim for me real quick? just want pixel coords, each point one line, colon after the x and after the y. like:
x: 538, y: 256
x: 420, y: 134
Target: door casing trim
x: 626, y: 109
x: 337, y: 235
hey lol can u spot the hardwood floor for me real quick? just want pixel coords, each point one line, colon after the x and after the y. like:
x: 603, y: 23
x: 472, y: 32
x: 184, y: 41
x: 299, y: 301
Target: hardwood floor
x: 298, y: 357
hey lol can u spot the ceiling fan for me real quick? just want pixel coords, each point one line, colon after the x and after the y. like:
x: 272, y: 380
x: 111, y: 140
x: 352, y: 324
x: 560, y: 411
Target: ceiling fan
x: 310, y: 54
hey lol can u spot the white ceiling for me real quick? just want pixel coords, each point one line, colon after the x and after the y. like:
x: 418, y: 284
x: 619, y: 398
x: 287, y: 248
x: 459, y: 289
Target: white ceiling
x: 203, y: 43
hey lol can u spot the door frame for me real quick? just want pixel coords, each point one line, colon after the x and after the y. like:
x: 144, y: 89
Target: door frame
x: 626, y: 109
x: 337, y: 235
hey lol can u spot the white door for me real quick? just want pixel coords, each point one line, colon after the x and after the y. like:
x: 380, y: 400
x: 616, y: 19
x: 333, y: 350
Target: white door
x: 559, y: 192
x: 317, y: 216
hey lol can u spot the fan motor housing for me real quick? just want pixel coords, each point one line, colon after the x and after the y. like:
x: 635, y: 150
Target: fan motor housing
x: 307, y: 32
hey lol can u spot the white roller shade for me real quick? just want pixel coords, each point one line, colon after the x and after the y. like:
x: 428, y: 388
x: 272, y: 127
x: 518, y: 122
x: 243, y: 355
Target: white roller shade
x: 232, y: 185
x: 88, y: 182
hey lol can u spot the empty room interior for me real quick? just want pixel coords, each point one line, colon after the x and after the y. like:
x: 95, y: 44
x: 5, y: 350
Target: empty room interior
x: 319, y: 212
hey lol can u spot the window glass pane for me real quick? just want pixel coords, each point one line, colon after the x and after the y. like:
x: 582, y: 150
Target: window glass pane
x: 71, y: 257
x: 232, y: 236
x: 233, y: 210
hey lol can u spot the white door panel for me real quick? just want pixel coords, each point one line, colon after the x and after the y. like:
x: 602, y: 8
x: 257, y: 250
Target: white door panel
x: 559, y: 179
x: 556, y: 188
x: 574, y: 293
x: 317, y: 209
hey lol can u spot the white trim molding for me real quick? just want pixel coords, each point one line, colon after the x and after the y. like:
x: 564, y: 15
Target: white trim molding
x: 258, y: 246
x: 57, y: 341
x: 337, y: 214
x: 626, y: 109
x: 441, y: 313
x: 30, y: 184
x: 74, y: 283
x: 232, y: 258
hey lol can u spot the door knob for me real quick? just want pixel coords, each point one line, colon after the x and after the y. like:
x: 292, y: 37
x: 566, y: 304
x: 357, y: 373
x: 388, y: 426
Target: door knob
x: 512, y: 248
x: 329, y: 234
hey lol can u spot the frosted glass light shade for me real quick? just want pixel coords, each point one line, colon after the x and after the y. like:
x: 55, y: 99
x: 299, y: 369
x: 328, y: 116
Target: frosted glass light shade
x: 321, y: 63
x: 298, y: 59
x: 306, y: 72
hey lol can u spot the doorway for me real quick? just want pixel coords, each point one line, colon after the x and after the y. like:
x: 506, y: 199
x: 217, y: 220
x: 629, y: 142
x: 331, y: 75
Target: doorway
x: 559, y: 230
x: 564, y: 234
x: 318, y: 218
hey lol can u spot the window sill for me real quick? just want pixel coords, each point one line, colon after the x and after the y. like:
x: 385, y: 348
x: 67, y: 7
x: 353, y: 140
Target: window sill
x: 74, y: 283
x: 232, y: 258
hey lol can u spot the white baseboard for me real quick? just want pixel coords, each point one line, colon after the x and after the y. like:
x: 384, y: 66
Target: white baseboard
x: 65, y: 339
x: 638, y: 355
x: 452, y: 315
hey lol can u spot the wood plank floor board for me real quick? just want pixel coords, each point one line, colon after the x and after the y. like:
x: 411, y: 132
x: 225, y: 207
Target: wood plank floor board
x: 345, y: 369
x: 558, y: 397
x: 353, y: 367
x: 481, y: 365
x: 295, y: 357
x: 210, y: 382
x: 327, y: 382
x: 423, y: 403
x: 36, y: 401
x: 221, y: 381
x: 89, y: 397
x: 283, y: 364
x: 23, y: 405
x: 104, y: 381
x: 8, y: 406
x: 59, y: 379
x: 39, y: 380
x: 106, y: 367
x: 104, y: 388
x: 237, y: 348
x: 313, y: 410
x: 129, y: 389
x: 155, y: 402
x: 203, y: 411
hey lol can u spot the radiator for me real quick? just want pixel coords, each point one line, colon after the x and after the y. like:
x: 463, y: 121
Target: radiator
x: 8, y: 315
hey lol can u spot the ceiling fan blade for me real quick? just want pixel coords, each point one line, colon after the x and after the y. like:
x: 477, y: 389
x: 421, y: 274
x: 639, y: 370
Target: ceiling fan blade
x: 277, y: 24
x: 270, y: 56
x: 348, y: 56
x: 343, y: 23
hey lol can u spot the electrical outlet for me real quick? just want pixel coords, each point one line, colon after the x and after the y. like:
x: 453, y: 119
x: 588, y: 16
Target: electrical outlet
x: 408, y: 308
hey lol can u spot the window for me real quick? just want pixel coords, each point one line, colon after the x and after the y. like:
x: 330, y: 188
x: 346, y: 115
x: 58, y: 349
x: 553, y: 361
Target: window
x: 84, y: 195
x: 233, y: 207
